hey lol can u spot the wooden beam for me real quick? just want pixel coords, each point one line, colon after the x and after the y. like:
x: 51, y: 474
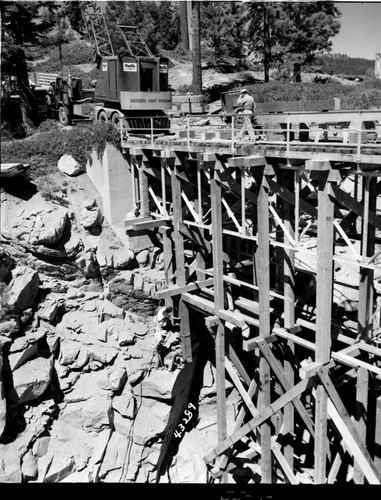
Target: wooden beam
x: 324, y: 288
x: 149, y: 225
x: 288, y: 471
x: 208, y: 307
x: 343, y: 422
x: 247, y: 161
x: 362, y: 384
x: 377, y: 437
x: 264, y: 415
x: 178, y: 290
x: 263, y: 256
x: 278, y: 371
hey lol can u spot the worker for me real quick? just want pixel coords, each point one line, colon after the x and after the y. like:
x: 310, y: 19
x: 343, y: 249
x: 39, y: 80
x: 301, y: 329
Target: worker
x: 247, y: 106
x: 163, y: 320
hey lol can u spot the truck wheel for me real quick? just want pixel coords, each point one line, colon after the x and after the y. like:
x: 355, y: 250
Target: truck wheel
x: 115, y: 120
x: 102, y: 117
x: 63, y: 115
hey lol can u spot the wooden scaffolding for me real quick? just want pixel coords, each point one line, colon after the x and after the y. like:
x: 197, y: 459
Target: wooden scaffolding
x: 237, y: 228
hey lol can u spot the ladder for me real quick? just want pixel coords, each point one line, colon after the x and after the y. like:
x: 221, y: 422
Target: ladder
x: 95, y: 21
x: 135, y: 44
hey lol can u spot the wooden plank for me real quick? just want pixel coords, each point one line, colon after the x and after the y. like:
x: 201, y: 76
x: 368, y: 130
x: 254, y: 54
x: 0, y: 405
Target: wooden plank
x: 195, y: 234
x: 289, y: 197
x: 178, y: 290
x: 263, y: 259
x: 278, y: 371
x: 288, y: 181
x: 343, y: 422
x: 143, y: 193
x: 220, y: 382
x: 186, y: 336
x: 207, y: 306
x: 324, y: 288
x: 238, y: 384
x: 149, y: 225
x: 355, y: 206
x: 288, y: 471
x: 377, y: 437
x: 237, y: 363
x: 264, y: 415
x: 247, y: 161
x: 362, y: 384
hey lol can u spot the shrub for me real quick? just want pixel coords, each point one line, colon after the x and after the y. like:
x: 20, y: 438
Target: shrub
x: 43, y: 150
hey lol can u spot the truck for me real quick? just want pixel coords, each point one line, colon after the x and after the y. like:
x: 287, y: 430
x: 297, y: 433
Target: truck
x: 132, y: 87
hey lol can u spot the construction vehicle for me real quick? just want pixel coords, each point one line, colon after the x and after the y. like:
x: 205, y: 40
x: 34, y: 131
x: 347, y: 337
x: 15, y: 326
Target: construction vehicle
x: 132, y: 87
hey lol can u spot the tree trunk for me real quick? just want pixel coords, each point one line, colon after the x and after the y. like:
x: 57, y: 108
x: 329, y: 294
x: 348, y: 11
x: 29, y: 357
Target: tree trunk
x: 297, y: 73
x: 267, y: 45
x: 196, y: 50
x: 184, y: 24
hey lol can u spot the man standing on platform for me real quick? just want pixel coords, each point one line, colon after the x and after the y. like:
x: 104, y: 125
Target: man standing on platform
x: 247, y: 105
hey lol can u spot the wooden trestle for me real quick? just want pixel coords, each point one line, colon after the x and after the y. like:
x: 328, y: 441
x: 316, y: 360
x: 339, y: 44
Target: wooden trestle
x: 311, y: 392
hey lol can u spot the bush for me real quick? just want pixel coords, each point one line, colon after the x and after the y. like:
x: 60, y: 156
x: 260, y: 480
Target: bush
x: 43, y: 150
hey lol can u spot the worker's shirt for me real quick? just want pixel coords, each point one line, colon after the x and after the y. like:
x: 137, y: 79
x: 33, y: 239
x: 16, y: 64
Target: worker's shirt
x: 246, y: 102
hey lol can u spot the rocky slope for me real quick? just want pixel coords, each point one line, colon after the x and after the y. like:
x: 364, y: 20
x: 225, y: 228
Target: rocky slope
x: 80, y: 397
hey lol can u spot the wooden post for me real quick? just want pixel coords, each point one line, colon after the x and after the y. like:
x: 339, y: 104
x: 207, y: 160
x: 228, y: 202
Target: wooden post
x: 200, y: 261
x: 180, y: 261
x: 365, y: 312
x: 288, y: 180
x: 215, y: 192
x: 143, y: 188
x: 377, y: 440
x: 264, y: 323
x: 324, y: 287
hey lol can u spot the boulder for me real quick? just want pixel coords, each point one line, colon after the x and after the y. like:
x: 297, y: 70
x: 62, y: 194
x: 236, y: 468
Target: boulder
x: 90, y: 218
x: 23, y: 288
x: 124, y: 403
x: 9, y: 327
x: 113, y: 379
x: 69, y: 166
x: 114, y: 461
x: 143, y: 257
x: 6, y: 263
x: 40, y: 223
x: 32, y: 379
x: 158, y: 385
x: 113, y: 255
x: 29, y: 466
x: 150, y: 420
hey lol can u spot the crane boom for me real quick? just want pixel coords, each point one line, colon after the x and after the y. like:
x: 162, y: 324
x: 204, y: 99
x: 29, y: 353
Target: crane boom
x: 95, y: 20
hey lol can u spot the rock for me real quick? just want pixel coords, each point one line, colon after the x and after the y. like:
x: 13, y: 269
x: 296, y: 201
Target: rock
x: 114, y: 256
x: 89, y: 203
x: 190, y: 466
x: 10, y: 466
x: 158, y: 385
x: 50, y: 308
x: 143, y: 257
x: 9, y: 327
x: 69, y: 166
x: 119, y: 329
x: 29, y: 466
x: 26, y: 316
x: 107, y: 310
x: 23, y: 288
x: 92, y: 415
x: 32, y: 379
x: 113, y: 379
x: 6, y: 263
x: 150, y: 420
x: 90, y: 218
x: 74, y: 245
x: 41, y: 224
x: 113, y: 463
x: 124, y: 403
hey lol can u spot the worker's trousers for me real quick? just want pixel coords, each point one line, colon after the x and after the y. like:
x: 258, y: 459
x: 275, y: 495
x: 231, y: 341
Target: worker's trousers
x: 247, y: 125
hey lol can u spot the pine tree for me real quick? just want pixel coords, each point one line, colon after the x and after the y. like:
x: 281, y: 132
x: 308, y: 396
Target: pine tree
x: 221, y: 31
x: 297, y: 32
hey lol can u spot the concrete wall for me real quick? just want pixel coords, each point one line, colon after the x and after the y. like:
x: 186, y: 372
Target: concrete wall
x: 112, y: 178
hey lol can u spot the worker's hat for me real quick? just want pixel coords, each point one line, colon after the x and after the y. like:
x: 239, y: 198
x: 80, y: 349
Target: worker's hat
x: 243, y: 91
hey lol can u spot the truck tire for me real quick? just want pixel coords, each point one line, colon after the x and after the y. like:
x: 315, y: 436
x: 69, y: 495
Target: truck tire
x: 115, y: 120
x: 63, y: 115
x: 102, y: 117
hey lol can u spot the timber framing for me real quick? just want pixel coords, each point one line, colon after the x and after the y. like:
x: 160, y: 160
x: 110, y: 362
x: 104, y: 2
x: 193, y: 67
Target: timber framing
x: 254, y: 238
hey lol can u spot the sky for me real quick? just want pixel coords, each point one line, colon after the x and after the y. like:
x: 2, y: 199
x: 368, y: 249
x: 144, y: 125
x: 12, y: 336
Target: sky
x: 360, y: 32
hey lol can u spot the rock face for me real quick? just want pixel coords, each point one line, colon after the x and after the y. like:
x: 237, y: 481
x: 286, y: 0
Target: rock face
x: 80, y: 397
